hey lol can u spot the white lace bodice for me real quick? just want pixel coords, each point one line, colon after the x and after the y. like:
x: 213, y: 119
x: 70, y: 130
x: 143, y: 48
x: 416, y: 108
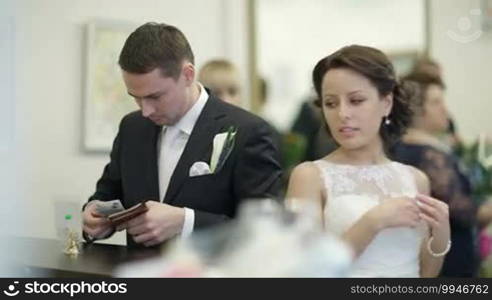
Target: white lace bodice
x: 353, y: 190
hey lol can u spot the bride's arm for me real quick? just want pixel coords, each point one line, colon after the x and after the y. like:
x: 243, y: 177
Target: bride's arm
x: 394, y: 212
x: 362, y: 232
x: 430, y: 266
x: 306, y: 186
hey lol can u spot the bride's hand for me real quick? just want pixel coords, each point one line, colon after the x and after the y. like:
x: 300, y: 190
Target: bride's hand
x: 395, y: 212
x: 436, y: 214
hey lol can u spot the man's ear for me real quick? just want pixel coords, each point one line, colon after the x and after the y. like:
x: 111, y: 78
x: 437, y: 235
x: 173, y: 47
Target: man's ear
x: 189, y: 73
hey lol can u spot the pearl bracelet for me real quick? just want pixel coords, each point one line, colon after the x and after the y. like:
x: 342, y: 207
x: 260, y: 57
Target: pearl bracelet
x: 448, y: 247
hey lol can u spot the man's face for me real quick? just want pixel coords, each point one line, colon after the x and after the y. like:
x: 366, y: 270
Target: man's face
x: 163, y: 100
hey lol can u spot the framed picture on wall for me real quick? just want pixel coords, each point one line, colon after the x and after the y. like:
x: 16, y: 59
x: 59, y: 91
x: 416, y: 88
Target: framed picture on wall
x: 105, y: 99
x: 403, y: 61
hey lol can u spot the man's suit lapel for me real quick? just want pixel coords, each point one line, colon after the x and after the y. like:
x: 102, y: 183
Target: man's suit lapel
x: 200, y: 141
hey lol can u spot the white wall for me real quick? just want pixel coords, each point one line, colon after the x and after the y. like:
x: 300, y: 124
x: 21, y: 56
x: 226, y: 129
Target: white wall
x: 294, y: 34
x: 12, y: 210
x: 49, y: 64
x: 466, y: 57
x: 7, y: 110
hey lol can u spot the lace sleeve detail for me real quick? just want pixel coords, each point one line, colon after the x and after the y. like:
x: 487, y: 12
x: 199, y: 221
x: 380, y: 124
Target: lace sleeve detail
x: 448, y: 184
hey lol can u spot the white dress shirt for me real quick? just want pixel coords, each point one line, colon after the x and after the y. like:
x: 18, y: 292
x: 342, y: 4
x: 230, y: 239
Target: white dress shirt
x: 171, y: 144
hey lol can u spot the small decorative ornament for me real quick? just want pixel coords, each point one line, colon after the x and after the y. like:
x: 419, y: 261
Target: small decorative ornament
x: 387, y: 121
x: 72, y: 244
x: 71, y: 237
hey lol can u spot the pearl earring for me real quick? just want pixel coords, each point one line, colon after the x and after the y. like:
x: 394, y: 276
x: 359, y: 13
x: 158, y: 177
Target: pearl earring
x: 387, y: 121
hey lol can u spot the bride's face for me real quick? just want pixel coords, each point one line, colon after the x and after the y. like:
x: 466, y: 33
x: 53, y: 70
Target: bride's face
x: 353, y: 108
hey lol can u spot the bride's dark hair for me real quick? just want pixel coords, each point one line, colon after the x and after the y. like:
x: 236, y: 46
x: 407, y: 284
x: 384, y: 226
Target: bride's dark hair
x: 374, y: 65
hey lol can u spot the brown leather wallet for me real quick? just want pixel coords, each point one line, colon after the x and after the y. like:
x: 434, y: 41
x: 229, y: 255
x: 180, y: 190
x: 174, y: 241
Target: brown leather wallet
x: 128, y: 214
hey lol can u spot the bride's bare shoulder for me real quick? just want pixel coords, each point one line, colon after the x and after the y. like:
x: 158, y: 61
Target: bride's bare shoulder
x: 305, y: 170
x: 421, y: 179
x: 305, y: 184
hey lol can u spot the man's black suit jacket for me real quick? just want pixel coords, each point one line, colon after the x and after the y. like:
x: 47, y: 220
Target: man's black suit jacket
x: 252, y: 170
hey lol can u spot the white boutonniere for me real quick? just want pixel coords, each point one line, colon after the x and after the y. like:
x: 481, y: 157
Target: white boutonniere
x: 222, y: 148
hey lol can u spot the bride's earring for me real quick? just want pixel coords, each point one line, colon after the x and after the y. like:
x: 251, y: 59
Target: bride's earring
x: 387, y: 121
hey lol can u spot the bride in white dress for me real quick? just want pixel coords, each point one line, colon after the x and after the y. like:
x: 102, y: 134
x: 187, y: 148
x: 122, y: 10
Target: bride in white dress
x: 378, y: 206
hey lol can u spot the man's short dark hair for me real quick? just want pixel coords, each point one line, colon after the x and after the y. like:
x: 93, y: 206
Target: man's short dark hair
x: 156, y: 45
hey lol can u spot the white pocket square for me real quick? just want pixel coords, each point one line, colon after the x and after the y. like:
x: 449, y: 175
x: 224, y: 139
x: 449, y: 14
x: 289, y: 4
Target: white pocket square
x: 200, y: 168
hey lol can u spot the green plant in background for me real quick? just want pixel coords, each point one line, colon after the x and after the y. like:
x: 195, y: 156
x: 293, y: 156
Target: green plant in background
x: 478, y: 161
x: 293, y: 149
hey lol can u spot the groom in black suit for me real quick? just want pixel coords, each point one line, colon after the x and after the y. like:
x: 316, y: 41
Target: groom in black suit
x: 195, y: 156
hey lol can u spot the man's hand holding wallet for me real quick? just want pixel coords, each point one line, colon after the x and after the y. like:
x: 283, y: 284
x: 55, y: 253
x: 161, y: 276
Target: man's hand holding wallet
x: 149, y: 222
x: 160, y: 223
x: 116, y: 214
x: 102, y: 217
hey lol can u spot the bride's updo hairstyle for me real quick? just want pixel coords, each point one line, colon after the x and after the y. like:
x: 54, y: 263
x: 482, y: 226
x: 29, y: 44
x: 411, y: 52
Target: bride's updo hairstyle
x: 375, y: 66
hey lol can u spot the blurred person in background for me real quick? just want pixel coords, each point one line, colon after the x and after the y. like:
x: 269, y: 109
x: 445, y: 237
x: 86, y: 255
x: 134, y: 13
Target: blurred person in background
x: 449, y: 137
x: 421, y: 148
x: 427, y: 65
x: 222, y: 78
x: 381, y: 208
